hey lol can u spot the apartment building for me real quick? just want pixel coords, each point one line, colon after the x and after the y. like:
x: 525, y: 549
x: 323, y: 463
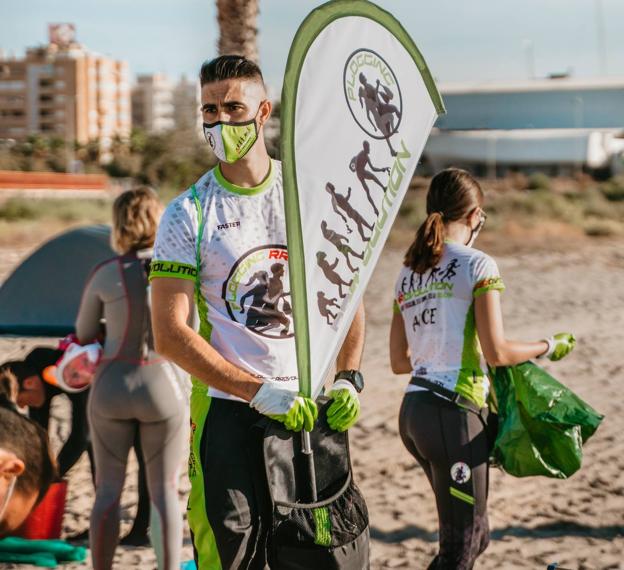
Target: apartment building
x: 61, y: 89
x: 186, y: 103
x: 159, y: 106
x: 152, y: 103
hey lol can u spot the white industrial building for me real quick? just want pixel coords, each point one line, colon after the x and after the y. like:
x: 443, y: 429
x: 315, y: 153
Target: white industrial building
x: 552, y: 125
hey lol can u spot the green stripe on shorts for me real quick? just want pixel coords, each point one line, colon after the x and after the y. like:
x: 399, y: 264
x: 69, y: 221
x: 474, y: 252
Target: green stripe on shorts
x: 462, y: 496
x: 203, y: 536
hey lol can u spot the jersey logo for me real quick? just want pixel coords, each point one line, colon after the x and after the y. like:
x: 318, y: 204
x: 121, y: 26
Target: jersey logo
x: 257, y: 292
x: 228, y: 225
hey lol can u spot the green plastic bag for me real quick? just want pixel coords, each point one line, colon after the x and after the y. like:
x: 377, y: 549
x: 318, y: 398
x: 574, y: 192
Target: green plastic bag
x: 542, y: 425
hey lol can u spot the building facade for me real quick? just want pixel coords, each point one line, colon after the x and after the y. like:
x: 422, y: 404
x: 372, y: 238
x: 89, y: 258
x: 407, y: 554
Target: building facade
x: 557, y: 126
x: 65, y: 91
x: 152, y: 103
x: 159, y: 106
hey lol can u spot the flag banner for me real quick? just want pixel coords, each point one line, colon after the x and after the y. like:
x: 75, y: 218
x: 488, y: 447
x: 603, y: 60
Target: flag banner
x: 358, y: 103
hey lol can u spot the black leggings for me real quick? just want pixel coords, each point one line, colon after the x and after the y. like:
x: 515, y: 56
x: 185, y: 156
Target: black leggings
x: 451, y: 445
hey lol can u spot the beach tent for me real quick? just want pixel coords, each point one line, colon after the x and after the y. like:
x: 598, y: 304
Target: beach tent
x: 41, y: 297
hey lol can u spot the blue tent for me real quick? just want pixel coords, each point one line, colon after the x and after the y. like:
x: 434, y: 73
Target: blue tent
x: 41, y: 297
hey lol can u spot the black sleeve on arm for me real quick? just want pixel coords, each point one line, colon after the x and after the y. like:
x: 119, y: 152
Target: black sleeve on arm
x: 78, y: 440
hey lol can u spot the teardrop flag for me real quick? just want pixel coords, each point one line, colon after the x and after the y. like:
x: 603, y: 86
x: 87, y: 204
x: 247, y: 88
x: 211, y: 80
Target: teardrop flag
x: 358, y: 104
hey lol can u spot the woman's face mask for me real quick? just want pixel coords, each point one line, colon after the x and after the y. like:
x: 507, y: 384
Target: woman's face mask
x: 231, y: 141
x: 474, y: 232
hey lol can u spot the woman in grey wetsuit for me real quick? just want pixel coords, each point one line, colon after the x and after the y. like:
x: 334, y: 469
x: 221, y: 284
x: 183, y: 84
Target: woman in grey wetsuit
x: 135, y: 390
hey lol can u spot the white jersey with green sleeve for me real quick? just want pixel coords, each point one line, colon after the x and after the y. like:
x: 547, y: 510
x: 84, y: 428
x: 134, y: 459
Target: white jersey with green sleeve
x: 438, y: 314
x: 243, y: 291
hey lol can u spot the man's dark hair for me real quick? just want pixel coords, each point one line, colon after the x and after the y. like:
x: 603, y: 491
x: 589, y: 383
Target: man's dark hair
x: 20, y: 369
x: 30, y: 443
x: 229, y: 67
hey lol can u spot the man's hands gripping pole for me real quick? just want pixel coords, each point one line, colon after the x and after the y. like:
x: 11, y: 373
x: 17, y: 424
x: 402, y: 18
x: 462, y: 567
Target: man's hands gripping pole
x: 294, y: 411
x: 344, y: 411
x: 297, y: 412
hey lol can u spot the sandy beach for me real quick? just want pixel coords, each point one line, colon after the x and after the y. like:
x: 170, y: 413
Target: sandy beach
x: 535, y: 521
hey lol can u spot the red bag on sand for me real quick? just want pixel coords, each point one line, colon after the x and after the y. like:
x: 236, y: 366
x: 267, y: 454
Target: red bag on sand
x: 46, y: 519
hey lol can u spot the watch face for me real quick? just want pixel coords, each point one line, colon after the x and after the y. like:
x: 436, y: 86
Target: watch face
x: 353, y: 376
x: 358, y: 380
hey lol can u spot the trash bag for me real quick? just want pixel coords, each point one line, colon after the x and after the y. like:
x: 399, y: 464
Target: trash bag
x: 542, y: 424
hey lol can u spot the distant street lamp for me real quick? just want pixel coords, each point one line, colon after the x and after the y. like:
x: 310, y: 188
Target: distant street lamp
x: 529, y: 53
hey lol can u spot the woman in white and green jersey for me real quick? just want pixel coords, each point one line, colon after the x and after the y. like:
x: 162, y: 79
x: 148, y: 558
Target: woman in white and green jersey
x: 447, y: 327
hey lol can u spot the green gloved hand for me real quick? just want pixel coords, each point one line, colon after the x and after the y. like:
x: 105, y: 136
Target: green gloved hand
x: 294, y: 411
x: 344, y: 411
x: 559, y: 345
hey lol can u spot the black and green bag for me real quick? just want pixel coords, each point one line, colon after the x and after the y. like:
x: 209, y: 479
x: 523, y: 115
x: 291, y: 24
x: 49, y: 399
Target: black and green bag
x: 542, y: 425
x: 330, y: 534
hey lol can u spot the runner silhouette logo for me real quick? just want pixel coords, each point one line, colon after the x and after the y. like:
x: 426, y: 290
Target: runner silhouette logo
x: 460, y: 472
x: 257, y: 292
x: 373, y: 94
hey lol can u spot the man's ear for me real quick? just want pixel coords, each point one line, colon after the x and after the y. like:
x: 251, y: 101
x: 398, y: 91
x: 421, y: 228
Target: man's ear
x: 266, y: 107
x: 31, y: 383
x: 11, y: 465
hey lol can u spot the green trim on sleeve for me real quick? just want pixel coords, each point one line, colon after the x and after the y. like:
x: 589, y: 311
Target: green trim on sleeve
x: 173, y: 269
x: 489, y: 284
x: 240, y: 190
x: 396, y: 310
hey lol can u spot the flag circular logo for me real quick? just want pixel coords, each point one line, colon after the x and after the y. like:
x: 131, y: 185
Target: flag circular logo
x: 460, y: 472
x: 257, y: 292
x: 373, y: 94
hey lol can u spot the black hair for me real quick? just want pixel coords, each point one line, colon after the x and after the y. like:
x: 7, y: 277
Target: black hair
x: 229, y: 67
x: 20, y: 369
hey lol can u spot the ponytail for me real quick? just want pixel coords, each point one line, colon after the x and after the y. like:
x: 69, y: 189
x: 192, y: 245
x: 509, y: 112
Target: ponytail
x: 453, y: 194
x: 427, y: 248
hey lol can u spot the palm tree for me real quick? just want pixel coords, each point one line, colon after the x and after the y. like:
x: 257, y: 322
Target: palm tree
x: 237, y: 28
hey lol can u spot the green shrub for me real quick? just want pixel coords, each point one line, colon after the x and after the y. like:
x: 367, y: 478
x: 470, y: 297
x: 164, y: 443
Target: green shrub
x: 613, y: 189
x: 18, y: 209
x: 603, y: 228
x: 539, y: 181
x: 67, y: 210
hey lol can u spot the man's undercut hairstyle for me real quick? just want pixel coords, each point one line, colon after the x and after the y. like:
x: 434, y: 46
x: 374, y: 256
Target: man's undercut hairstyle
x: 229, y: 67
x: 29, y: 442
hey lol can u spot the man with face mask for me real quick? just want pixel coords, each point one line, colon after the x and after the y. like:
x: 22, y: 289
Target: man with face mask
x: 34, y: 392
x: 212, y: 239
x: 26, y: 466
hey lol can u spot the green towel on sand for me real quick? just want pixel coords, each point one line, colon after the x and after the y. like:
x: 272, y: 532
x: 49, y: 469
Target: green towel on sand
x: 44, y: 553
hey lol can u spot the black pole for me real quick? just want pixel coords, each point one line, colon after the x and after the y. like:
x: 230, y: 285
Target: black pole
x: 306, y: 449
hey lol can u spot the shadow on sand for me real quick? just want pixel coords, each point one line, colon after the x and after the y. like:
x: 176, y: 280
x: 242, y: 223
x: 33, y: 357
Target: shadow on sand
x: 546, y: 530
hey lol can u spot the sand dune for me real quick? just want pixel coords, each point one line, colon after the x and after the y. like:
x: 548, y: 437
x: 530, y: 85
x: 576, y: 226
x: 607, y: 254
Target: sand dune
x: 535, y: 521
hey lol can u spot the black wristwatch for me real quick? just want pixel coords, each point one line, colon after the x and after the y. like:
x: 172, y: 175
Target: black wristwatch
x: 353, y: 376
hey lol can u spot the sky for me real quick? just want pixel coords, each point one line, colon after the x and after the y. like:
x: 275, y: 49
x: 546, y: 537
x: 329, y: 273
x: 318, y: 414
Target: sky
x: 461, y: 40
